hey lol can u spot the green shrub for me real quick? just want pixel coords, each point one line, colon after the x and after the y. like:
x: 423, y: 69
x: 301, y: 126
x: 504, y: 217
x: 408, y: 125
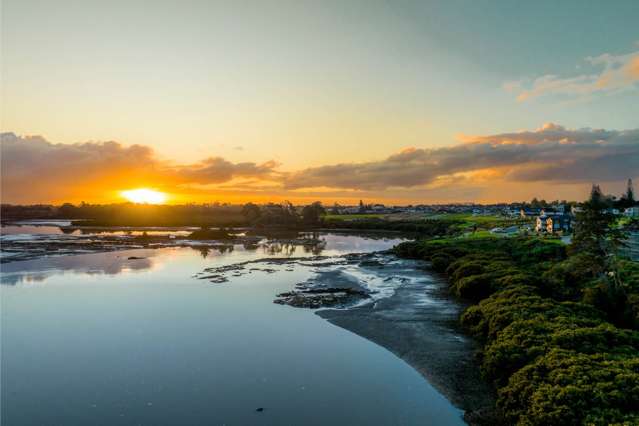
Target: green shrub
x: 568, y: 388
x: 550, y: 327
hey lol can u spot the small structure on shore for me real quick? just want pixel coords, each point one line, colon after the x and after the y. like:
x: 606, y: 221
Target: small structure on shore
x: 554, y: 223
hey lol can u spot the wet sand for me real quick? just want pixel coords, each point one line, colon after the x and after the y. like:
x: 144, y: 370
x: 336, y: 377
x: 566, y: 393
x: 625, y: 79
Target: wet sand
x: 419, y: 323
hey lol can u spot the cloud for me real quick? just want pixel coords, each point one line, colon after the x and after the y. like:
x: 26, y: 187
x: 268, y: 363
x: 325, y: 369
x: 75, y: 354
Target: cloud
x: 219, y: 170
x: 480, y: 167
x: 36, y: 169
x: 551, y: 153
x: 612, y: 73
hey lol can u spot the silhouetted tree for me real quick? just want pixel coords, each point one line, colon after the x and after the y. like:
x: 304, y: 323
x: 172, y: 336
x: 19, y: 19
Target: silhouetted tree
x: 595, y: 229
x: 251, y: 212
x: 628, y: 198
x: 312, y: 214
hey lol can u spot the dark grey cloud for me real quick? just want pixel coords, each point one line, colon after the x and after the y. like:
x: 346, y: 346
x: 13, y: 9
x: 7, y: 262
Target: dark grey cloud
x: 551, y: 153
x: 219, y: 170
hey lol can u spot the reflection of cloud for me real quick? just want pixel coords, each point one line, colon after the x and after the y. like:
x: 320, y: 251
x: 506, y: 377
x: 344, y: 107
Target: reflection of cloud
x: 550, y: 153
x: 108, y: 263
x: 32, y: 277
x: 614, y: 73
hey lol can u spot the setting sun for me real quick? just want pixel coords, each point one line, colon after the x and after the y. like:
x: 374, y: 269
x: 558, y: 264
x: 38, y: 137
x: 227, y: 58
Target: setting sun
x: 144, y: 196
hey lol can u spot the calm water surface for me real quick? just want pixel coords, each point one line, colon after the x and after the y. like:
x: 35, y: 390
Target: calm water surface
x: 103, y: 339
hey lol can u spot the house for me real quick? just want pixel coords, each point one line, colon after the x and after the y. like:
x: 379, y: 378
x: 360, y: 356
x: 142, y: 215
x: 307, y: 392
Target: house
x: 541, y: 223
x: 631, y: 212
x: 553, y: 223
x: 524, y: 213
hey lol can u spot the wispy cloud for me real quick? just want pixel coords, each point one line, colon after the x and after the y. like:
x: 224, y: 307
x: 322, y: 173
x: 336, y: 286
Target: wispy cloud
x: 611, y: 74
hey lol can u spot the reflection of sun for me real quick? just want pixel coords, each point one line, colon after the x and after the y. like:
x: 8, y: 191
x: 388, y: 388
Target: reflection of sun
x: 144, y: 196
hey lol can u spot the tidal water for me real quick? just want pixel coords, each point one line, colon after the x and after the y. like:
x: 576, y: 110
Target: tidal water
x: 135, y: 338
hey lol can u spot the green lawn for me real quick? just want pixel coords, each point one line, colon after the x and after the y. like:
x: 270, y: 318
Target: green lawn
x: 337, y: 217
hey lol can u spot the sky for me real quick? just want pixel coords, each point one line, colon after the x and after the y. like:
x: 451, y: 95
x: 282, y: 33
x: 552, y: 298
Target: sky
x: 396, y: 102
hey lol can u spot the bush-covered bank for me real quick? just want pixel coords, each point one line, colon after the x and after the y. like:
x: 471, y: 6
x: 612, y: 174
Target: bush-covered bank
x: 560, y: 342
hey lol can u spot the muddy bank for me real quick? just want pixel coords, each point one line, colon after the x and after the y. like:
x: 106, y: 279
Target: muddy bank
x: 34, y: 246
x: 398, y: 304
x: 419, y: 323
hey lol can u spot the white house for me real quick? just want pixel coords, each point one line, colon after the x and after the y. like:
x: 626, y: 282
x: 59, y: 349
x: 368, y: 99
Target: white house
x: 554, y: 223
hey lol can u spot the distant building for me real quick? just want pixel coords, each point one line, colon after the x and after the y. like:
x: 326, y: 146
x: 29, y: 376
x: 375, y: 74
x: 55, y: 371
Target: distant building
x: 524, y: 213
x: 554, y: 223
x: 631, y: 212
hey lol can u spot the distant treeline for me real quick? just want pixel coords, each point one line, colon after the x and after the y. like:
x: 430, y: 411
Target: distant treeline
x: 128, y: 214
x: 202, y: 215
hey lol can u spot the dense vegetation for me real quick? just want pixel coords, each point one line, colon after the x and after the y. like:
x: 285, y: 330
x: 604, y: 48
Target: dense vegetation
x: 423, y: 227
x: 558, y: 324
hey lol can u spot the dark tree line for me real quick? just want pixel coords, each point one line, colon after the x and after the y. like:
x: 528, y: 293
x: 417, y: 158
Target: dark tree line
x: 284, y: 214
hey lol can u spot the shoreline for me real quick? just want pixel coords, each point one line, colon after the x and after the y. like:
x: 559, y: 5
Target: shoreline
x: 428, y: 337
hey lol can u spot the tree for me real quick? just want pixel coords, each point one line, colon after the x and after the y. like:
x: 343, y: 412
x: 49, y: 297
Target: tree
x: 312, y: 214
x: 595, y: 230
x: 628, y: 198
x: 630, y: 192
x: 279, y: 214
x: 251, y: 212
x: 538, y: 204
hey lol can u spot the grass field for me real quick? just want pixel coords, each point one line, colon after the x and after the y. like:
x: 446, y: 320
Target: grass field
x: 337, y: 217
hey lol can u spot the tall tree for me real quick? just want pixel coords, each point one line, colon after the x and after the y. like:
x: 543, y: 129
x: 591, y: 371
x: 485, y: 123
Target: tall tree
x: 251, y: 212
x: 312, y: 214
x: 595, y: 229
x: 628, y: 198
x: 630, y: 191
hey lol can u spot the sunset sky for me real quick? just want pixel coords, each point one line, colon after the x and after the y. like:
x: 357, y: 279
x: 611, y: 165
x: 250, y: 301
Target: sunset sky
x: 396, y: 102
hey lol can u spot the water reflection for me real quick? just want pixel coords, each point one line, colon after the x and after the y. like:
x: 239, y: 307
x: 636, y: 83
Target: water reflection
x: 35, y: 230
x: 131, y: 337
x: 141, y: 259
x: 109, y: 263
x: 206, y: 250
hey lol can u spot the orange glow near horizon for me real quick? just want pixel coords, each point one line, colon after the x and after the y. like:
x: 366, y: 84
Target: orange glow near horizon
x: 144, y: 196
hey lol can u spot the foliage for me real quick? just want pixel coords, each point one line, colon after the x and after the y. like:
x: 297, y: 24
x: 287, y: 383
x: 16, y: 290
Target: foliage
x: 559, y: 339
x: 252, y: 213
x: 312, y: 214
x: 595, y: 230
x: 565, y: 387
